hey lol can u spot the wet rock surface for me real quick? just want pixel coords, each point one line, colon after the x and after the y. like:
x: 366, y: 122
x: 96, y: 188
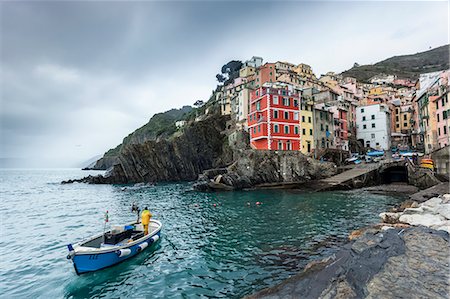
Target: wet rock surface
x: 392, y: 263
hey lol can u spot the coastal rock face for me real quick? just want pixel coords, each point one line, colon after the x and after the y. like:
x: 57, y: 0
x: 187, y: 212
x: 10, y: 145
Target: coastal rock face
x: 396, y: 263
x: 104, y: 163
x: 257, y: 168
x: 211, y: 151
x: 182, y: 158
x: 421, y: 272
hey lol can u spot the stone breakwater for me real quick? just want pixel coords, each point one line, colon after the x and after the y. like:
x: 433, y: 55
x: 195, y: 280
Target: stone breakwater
x: 406, y: 256
x: 433, y: 213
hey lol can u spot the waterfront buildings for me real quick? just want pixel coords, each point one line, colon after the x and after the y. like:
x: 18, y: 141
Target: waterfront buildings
x: 307, y: 121
x: 401, y: 116
x: 443, y: 119
x: 285, y: 107
x: 432, y: 86
x: 374, y: 126
x: 274, y: 118
x: 330, y: 100
x: 323, y: 129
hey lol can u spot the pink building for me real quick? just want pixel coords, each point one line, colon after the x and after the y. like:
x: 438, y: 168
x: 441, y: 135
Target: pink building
x: 442, y: 119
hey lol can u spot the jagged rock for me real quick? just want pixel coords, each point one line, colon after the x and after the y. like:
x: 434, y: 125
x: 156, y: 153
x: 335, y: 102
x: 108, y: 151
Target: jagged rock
x: 434, y: 213
x: 203, y: 151
x: 444, y: 225
x: 390, y: 217
x: 182, y: 158
x: 421, y: 272
x: 256, y: 168
x: 419, y: 219
x: 433, y: 202
x: 444, y: 211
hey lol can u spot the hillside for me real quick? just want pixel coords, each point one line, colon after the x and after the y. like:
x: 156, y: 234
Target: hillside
x: 404, y: 66
x: 161, y: 125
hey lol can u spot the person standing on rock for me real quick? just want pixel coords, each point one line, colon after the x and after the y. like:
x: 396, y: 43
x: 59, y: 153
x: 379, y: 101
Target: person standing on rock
x: 145, y: 219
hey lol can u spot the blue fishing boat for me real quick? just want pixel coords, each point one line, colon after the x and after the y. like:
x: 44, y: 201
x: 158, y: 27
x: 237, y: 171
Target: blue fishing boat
x: 375, y: 153
x: 112, y: 247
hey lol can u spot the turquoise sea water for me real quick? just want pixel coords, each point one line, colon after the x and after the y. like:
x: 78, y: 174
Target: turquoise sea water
x: 230, y: 250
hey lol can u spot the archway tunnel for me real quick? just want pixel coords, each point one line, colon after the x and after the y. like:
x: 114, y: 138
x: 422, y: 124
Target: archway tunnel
x: 394, y: 174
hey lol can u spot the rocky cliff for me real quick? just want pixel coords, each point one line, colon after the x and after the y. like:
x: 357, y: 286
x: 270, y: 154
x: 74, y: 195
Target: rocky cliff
x: 211, y: 150
x: 201, y: 146
x: 160, y: 126
x: 257, y: 168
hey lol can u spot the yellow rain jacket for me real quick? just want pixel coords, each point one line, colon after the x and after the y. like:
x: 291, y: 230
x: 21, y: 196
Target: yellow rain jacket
x: 146, y: 215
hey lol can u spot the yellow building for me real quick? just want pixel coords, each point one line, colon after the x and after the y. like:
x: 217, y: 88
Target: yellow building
x: 329, y: 79
x: 402, y: 119
x: 376, y: 90
x: 247, y: 71
x: 307, y: 125
x: 304, y: 71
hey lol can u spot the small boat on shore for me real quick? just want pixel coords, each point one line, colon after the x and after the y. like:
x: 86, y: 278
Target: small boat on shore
x: 112, y: 247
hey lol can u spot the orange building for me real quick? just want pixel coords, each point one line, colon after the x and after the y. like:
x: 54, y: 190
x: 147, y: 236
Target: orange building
x: 274, y: 119
x: 265, y: 73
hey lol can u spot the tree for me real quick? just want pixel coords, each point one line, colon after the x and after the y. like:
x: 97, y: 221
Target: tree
x: 199, y: 103
x: 220, y: 78
x: 229, y: 72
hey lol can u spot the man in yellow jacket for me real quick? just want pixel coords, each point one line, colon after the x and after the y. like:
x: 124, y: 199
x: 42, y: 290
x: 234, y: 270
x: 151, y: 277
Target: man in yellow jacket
x: 145, y: 216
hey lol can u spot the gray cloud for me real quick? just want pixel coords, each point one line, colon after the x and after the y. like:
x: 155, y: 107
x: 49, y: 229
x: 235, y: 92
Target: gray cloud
x: 78, y: 76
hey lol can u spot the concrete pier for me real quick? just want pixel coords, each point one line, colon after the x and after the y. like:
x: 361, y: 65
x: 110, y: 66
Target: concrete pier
x: 387, y: 171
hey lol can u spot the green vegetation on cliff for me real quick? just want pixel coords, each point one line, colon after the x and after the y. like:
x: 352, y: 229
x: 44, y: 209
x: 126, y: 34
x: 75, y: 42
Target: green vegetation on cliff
x: 161, y: 125
x: 404, y: 66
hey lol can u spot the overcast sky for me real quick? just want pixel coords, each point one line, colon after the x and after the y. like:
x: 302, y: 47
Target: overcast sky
x: 77, y: 77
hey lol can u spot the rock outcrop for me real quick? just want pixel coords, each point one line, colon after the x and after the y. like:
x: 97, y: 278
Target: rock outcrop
x: 257, y: 168
x: 406, y: 256
x: 201, y: 146
x: 433, y: 213
x: 216, y: 153
x: 104, y: 163
x: 395, y: 263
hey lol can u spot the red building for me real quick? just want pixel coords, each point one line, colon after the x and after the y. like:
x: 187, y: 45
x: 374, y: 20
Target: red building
x: 341, y: 128
x: 274, y: 119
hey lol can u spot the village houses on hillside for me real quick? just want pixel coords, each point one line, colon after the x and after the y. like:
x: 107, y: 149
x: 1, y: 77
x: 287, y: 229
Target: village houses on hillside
x: 284, y: 106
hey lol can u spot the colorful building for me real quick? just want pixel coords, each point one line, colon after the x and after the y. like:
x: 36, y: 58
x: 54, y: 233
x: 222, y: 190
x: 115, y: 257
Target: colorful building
x: 323, y: 129
x: 265, y: 73
x: 330, y: 100
x: 443, y: 120
x: 340, y: 128
x: 430, y: 88
x: 304, y: 71
x: 307, y: 122
x: 274, y: 119
x: 374, y: 126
